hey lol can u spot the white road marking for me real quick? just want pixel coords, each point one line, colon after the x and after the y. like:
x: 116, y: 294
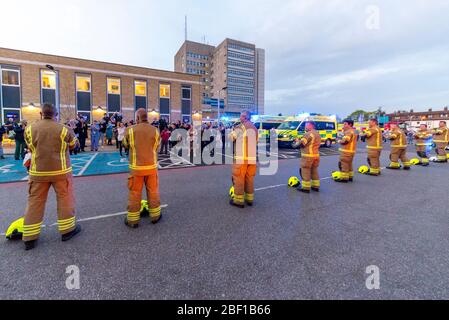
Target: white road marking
x: 103, y: 216
x: 87, y: 165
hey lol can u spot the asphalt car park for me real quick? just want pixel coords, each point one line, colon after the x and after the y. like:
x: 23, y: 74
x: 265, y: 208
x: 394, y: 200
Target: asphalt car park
x: 289, y: 245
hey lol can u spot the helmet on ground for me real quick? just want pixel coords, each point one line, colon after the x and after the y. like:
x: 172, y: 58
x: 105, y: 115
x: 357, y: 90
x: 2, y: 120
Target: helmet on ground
x: 232, y: 192
x: 15, y: 230
x: 363, y: 169
x: 293, y: 182
x: 144, y: 211
x: 336, y: 175
x: 414, y: 161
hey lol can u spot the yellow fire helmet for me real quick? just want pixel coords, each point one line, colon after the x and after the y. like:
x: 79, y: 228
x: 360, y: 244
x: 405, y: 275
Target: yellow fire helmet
x: 336, y: 175
x: 363, y: 169
x: 144, y: 208
x: 293, y: 182
x: 15, y: 230
x: 231, y: 192
x: 415, y: 161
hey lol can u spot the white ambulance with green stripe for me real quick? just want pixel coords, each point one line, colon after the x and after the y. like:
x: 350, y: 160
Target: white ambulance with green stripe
x: 294, y: 127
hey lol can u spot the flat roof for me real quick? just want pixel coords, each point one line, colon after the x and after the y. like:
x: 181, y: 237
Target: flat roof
x: 97, y: 61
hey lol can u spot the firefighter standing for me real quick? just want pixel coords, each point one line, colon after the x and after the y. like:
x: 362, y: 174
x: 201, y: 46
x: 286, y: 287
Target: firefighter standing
x: 423, y: 144
x: 373, y: 137
x: 49, y: 143
x: 441, y: 139
x: 398, y: 148
x: 244, y: 168
x: 310, y: 159
x: 142, y: 140
x: 347, y: 151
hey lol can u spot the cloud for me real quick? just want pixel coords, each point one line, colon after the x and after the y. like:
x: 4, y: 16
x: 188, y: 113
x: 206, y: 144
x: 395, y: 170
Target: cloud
x: 320, y: 55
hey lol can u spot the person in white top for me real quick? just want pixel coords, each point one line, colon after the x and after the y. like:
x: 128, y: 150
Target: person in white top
x: 120, y: 135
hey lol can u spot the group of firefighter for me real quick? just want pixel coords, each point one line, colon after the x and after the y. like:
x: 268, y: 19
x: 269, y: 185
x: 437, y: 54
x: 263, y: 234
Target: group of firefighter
x: 50, y: 142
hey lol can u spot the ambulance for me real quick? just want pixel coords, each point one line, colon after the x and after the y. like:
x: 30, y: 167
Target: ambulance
x: 266, y: 124
x: 294, y: 128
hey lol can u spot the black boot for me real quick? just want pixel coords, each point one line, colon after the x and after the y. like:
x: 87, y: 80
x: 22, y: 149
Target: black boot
x: 29, y: 245
x: 71, y: 234
x: 154, y: 221
x: 232, y: 203
x: 132, y: 226
x: 316, y: 189
x: 304, y: 190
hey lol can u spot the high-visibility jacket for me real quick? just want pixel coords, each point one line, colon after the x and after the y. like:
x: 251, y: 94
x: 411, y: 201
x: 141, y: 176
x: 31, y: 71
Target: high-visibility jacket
x: 245, y: 137
x: 142, y: 140
x: 441, y: 135
x: 349, y: 141
x: 374, y: 138
x: 310, y: 144
x: 49, y: 143
x: 423, y: 137
x: 398, y: 139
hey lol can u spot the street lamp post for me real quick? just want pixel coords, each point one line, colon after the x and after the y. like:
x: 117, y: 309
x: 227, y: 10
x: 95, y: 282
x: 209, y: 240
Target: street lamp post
x: 218, y: 102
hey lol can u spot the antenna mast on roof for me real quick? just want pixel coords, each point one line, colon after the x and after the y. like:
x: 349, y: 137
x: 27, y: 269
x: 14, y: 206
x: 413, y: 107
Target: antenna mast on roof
x: 185, y: 27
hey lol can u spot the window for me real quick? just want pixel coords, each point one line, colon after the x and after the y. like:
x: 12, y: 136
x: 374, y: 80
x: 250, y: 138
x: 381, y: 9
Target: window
x: 83, y: 93
x: 10, y: 90
x: 48, y: 79
x: 140, y: 88
x: 140, y: 94
x: 10, y: 77
x: 325, y: 126
x: 164, y: 99
x: 83, y: 83
x: 164, y: 91
x: 49, y: 87
x: 114, y: 91
x: 186, y: 103
x: 113, y: 86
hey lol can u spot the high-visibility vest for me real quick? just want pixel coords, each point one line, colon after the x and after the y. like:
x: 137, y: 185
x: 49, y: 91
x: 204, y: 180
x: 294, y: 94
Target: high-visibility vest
x: 398, y: 139
x: 310, y: 144
x: 49, y: 143
x: 374, y: 138
x: 349, y: 142
x: 143, y: 141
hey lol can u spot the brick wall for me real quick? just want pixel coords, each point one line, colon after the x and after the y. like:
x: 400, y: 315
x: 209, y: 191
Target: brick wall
x: 31, y: 63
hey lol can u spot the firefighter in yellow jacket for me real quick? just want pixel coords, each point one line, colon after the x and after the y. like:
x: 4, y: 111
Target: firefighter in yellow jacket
x: 423, y: 144
x: 373, y: 138
x: 398, y: 146
x: 142, y: 140
x: 49, y: 143
x: 441, y: 139
x: 347, y: 151
x: 310, y: 159
x: 244, y: 168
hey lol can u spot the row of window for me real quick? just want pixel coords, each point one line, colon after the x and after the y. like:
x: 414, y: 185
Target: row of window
x: 241, y: 56
x: 240, y: 64
x: 250, y: 107
x: 241, y: 81
x: 10, y: 97
x: 196, y: 71
x: 241, y: 73
x: 233, y: 98
x: 197, y: 56
x: 196, y: 63
x: 240, y: 48
x: 240, y: 90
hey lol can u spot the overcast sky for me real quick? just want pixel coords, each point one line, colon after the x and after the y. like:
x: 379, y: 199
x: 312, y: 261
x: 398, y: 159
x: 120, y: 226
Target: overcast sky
x: 328, y: 56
